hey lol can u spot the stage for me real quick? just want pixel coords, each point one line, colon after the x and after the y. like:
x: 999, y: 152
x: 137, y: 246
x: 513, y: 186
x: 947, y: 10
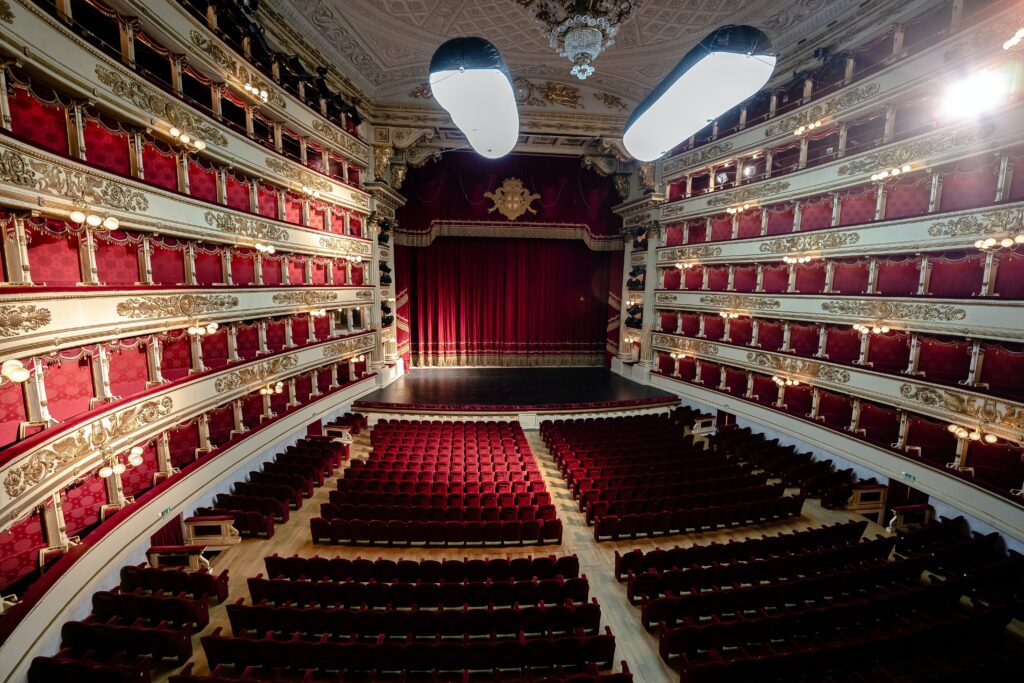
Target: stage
x: 509, y: 391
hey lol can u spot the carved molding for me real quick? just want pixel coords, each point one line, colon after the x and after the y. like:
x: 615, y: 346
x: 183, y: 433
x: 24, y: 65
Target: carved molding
x: 824, y: 109
x: 512, y: 200
x: 347, y: 245
x: 234, y: 68
x: 254, y: 375
x: 160, y: 105
x: 293, y: 172
x: 364, y: 294
x: 916, y: 151
x: 78, y: 186
x: 697, y: 157
x: 15, y: 320
x: 892, y: 311
x: 246, y: 227
x: 685, y: 345
x: 342, y: 140
x: 175, y: 305
x: 987, y: 223
x: 689, y: 253
x: 305, y: 297
x: 732, y: 301
x: 348, y: 346
x: 799, y: 367
x: 809, y: 242
x: 754, y: 192
x: 83, y: 442
x: 6, y: 15
x: 981, y: 409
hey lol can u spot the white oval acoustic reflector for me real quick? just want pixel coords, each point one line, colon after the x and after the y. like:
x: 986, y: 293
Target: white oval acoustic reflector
x: 728, y: 66
x: 470, y: 80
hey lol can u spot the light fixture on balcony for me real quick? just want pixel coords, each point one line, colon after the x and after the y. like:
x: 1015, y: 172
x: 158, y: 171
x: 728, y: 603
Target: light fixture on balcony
x: 260, y: 93
x: 785, y: 381
x: 687, y: 265
x: 318, y: 313
x: 677, y: 355
x: 1008, y: 240
x: 94, y: 220
x: 265, y: 248
x: 272, y: 389
x: 972, y: 434
x: 352, y: 259
x: 891, y: 172
x: 1014, y: 40
x: 740, y: 209
x: 311, y: 192
x: 199, y: 330
x: 115, y: 466
x: 729, y: 315
x: 796, y: 260
x: 807, y: 128
x: 875, y: 328
x: 14, y: 371
x: 186, y: 139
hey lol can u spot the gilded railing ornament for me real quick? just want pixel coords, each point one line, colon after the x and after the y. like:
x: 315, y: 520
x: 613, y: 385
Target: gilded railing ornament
x: 978, y: 408
x: 987, y: 223
x: 348, y: 346
x: 342, y: 140
x: 246, y: 227
x: 692, y: 346
x: 235, y: 68
x: 305, y: 298
x: 740, y: 301
x: 687, y: 253
x: 22, y: 318
x: 823, y: 109
x: 747, y: 194
x: 78, y: 186
x: 6, y: 15
x: 916, y: 150
x: 292, y: 172
x: 799, y: 367
x: 83, y: 442
x: 810, y: 242
x: 257, y: 374
x: 698, y: 157
x: 347, y: 245
x: 888, y: 310
x: 175, y: 305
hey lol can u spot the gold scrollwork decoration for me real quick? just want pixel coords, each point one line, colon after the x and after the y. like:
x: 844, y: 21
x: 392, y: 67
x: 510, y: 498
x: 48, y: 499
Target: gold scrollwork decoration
x: 734, y: 301
x: 175, y: 305
x: 22, y: 318
x: 887, y: 310
x: 44, y: 176
x: 305, y: 298
x: 347, y: 346
x: 347, y: 246
x: 917, y: 150
x: 160, y: 105
x: 364, y: 294
x: 257, y: 374
x: 810, y: 242
x: 234, y: 68
x: 823, y: 109
x: 84, y: 441
x: 752, y: 193
x: 342, y: 140
x: 693, y: 346
x: 292, y: 172
x: 512, y: 200
x: 684, y: 253
x: 246, y: 227
x: 698, y: 157
x: 978, y: 408
x: 987, y: 223
x: 799, y: 367
x: 6, y: 15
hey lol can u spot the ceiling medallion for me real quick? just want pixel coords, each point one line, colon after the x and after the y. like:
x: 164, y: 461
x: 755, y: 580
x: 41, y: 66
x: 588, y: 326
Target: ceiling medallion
x: 580, y: 29
x: 512, y: 200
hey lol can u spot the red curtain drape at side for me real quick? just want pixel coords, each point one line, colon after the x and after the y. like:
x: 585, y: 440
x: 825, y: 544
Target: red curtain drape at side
x: 484, y: 301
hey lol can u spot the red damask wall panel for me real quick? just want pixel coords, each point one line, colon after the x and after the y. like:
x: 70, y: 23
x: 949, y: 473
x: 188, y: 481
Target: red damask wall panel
x: 1002, y: 370
x: 215, y: 349
x: 271, y: 268
x: 19, y: 549
x: 236, y: 192
x: 673, y: 278
x: 356, y: 225
x: 803, y: 339
x: 222, y: 422
x: 184, y: 441
x: 243, y: 267
x: 714, y: 327
x: 209, y: 267
x: 810, y: 278
x: 168, y: 264
x: 889, y: 352
x: 128, y: 371
x: 770, y: 336
x: 718, y: 278
x: 816, y: 213
x: 319, y: 273
x: 735, y: 381
x: 721, y: 228
x: 970, y: 184
x: 275, y: 335
x: 1009, y: 283
x: 54, y: 258
x: 780, y: 219
x: 937, y: 444
x: 898, y: 277
x: 138, y: 479
x: 177, y: 358
x: 41, y: 123
x: 765, y: 391
x: 1000, y: 465
x: 744, y: 278
x: 749, y: 224
x: 117, y: 264
x: 106, y: 148
x: 266, y: 200
x: 300, y: 330
x: 12, y: 412
x: 69, y: 387
x: 842, y: 346
x: 857, y: 206
x: 82, y: 504
x: 202, y: 181
x: 798, y: 400
x: 159, y: 168
x: 674, y: 235
x: 296, y: 271
x: 357, y: 274
x: 322, y: 327
x: 775, y: 279
x: 881, y: 425
x: 710, y: 374
x: 942, y: 361
x: 740, y: 330
x: 248, y: 341
x: 835, y: 410
x: 851, y: 277
x: 957, y: 277
x: 908, y: 197
x: 303, y: 388
x: 292, y: 208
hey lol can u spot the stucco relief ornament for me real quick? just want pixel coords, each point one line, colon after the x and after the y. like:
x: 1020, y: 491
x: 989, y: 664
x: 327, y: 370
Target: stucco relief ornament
x: 512, y: 200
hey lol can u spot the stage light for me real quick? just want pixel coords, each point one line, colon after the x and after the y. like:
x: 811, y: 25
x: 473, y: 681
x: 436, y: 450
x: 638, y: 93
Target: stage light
x: 976, y: 94
x: 748, y: 171
x: 722, y: 178
x: 469, y: 78
x: 727, y: 67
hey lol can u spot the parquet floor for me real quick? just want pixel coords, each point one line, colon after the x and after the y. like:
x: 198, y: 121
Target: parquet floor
x: 597, y: 560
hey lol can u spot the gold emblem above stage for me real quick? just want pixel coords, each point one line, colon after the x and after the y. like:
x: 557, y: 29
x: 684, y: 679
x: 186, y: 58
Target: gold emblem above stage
x: 512, y: 200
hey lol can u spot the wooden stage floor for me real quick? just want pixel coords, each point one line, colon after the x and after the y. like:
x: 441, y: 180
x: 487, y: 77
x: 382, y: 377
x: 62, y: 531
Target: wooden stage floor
x: 633, y: 643
x: 540, y: 387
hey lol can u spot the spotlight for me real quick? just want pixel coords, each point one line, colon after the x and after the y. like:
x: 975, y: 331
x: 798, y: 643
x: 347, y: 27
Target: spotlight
x: 722, y: 178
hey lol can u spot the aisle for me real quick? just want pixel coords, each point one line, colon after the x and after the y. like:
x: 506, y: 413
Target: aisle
x: 597, y: 560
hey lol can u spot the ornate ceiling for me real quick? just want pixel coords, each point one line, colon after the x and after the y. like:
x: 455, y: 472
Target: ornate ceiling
x: 385, y: 46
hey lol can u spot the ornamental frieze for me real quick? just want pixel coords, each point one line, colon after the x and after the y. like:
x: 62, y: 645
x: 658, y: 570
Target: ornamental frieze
x: 257, y: 374
x: 916, y: 151
x: 983, y: 37
x: 752, y: 193
x: 698, y: 157
x: 83, y: 442
x: 234, y: 68
x: 684, y: 253
x: 347, y: 346
x: 6, y: 15
x: 16, y: 320
x: 364, y: 294
x: 177, y: 305
x: 809, y: 242
x: 799, y: 367
x: 985, y: 224
x: 44, y: 176
x: 888, y: 310
x: 347, y: 245
x: 159, y: 105
x: 246, y: 227
x: 753, y: 303
x: 665, y: 298
x: 305, y: 298
x: 685, y: 345
x: 290, y: 171
x: 823, y: 109
x: 979, y: 408
x: 342, y: 140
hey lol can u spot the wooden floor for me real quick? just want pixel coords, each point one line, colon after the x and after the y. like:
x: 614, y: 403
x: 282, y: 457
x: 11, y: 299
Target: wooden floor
x: 633, y: 644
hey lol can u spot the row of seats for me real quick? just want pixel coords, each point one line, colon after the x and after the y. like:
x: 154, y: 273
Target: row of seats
x: 465, y: 488
x: 436, y: 533
x: 157, y: 606
x: 136, y: 578
x: 160, y: 641
x: 405, y: 513
x: 65, y: 667
x: 696, y: 520
x: 663, y: 485
x: 265, y: 505
x: 400, y: 594
x: 438, y: 500
x: 396, y: 624
x: 414, y: 474
x: 429, y: 571
x: 633, y: 501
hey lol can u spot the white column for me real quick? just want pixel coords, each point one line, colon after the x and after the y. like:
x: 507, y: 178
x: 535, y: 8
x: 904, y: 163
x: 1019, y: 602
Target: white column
x: 154, y: 357
x: 195, y: 343
x: 101, y: 377
x: 146, y: 261
x: 233, y: 344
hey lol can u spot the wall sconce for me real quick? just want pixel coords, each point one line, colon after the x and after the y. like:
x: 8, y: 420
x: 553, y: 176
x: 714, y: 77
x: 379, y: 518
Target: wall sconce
x: 1009, y: 241
x: 794, y: 260
x: 310, y: 192
x: 876, y: 328
x: 807, y: 128
x: 272, y: 389
x: 891, y: 172
x: 265, y: 248
x: 318, y: 313
x: 687, y: 265
x: 785, y: 381
x: 972, y: 434
x: 740, y: 209
x: 259, y: 93
x: 186, y: 139
x: 677, y: 355
x: 115, y: 466
x: 729, y: 315
x: 93, y: 220
x: 14, y: 371
x: 353, y: 259
x: 199, y: 330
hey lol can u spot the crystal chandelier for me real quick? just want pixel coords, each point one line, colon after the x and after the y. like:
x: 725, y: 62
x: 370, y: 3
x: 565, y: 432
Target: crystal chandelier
x: 580, y: 29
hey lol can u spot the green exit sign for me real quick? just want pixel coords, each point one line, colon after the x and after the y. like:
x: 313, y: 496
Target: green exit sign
x: 909, y: 477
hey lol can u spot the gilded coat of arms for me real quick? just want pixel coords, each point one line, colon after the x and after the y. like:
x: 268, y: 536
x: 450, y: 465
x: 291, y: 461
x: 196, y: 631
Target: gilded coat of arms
x: 512, y: 200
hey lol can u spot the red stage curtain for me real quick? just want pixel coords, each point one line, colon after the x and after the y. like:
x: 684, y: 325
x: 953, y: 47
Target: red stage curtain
x: 956, y: 277
x: 82, y: 504
x: 798, y: 400
x: 54, y: 258
x: 41, y: 123
x: 889, y: 352
x: 215, y: 349
x: 184, y: 440
x: 19, y: 549
x: 1000, y: 465
x: 803, y: 339
x: 12, y: 412
x: 735, y: 381
x: 296, y: 270
x: 749, y: 224
x: 275, y: 335
x: 899, y: 277
x: 769, y: 335
x: 168, y: 263
x: 714, y: 327
x: 69, y: 387
x: 842, y: 346
x: 740, y: 330
x: 937, y: 444
x: 775, y: 279
x: 969, y: 184
x: 857, y: 206
x: 710, y: 374
x: 160, y: 166
x: 266, y: 200
x: 209, y: 266
x: 202, y: 181
x: 816, y: 213
x: 721, y: 228
x: 236, y: 191
x: 271, y: 268
x: 691, y: 324
x: 673, y: 278
x: 248, y: 341
x: 480, y: 301
x: 135, y: 480
x: 117, y: 262
x: 300, y: 330
x: 744, y: 279
x: 881, y: 425
x: 780, y: 219
x: 243, y: 267
x: 851, y: 277
x: 1003, y: 371
x: 908, y: 196
x: 810, y: 278
x: 176, y: 359
x: 128, y: 370
x: 106, y: 148
x: 765, y: 390
x: 293, y: 208
x: 944, y: 361
x: 835, y: 410
x: 718, y: 278
x: 1009, y: 282
x: 674, y: 235
x: 693, y: 278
